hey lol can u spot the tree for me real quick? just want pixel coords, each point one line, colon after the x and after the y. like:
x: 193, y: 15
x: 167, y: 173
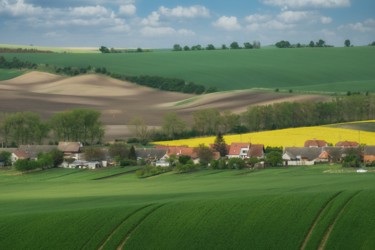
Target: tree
x: 223, y: 47
x: 204, y: 153
x: 347, y: 43
x: 234, y: 45
x: 94, y: 154
x: 57, y: 157
x: 132, y: 154
x: 248, y: 45
x: 320, y: 43
x: 5, y: 158
x: 104, y: 49
x: 186, y: 48
x: 256, y: 45
x: 236, y: 163
x: 118, y: 151
x: 206, y: 121
x: 177, y: 47
x: 283, y: 44
x: 210, y: 47
x: 172, y: 125
x: 141, y: 129
x: 220, y: 145
x: 274, y: 159
x: 312, y: 44
x: 229, y: 121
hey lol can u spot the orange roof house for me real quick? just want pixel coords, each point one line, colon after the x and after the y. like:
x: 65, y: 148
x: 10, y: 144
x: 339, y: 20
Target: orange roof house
x: 315, y: 143
x: 347, y: 144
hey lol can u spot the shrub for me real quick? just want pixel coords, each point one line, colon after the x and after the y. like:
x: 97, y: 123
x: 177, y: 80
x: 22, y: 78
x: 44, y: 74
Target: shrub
x: 236, y: 163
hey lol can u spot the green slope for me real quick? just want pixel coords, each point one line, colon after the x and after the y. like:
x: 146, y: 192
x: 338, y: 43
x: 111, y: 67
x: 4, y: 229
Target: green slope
x: 284, y: 208
x: 308, y: 69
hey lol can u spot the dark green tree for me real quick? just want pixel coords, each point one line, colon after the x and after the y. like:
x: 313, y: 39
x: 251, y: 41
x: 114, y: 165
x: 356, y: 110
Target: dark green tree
x: 274, y: 159
x: 248, y: 45
x: 5, y: 158
x: 236, y: 163
x: 132, y: 154
x: 235, y: 45
x: 210, y: 47
x: 205, y: 154
x: 118, y: 151
x: 93, y: 153
x: 104, y: 49
x: 220, y: 145
x: 177, y: 47
x: 347, y: 43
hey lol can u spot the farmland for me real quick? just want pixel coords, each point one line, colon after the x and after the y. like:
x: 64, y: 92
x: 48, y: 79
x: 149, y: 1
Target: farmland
x: 6, y: 74
x: 293, y: 137
x: 281, y: 208
x: 311, y: 70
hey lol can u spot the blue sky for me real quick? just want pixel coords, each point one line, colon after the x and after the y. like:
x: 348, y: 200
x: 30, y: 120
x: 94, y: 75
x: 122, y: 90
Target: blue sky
x: 162, y: 23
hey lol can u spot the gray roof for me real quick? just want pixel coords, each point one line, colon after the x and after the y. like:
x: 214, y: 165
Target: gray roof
x: 33, y: 150
x: 145, y: 153
x: 303, y: 152
x: 369, y: 150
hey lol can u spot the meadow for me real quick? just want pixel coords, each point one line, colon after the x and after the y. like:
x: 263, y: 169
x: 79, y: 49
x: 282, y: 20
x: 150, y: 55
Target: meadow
x: 362, y: 132
x: 281, y: 208
x: 307, y: 69
x: 6, y: 74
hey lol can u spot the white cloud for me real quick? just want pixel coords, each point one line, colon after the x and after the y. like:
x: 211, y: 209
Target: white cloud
x: 257, y: 18
x: 152, y: 20
x: 365, y: 26
x: 185, y: 12
x: 325, y: 20
x: 309, y: 3
x: 128, y: 9
x: 294, y: 16
x: 164, y: 31
x: 89, y: 11
x: 19, y: 8
x: 277, y: 25
x: 227, y: 23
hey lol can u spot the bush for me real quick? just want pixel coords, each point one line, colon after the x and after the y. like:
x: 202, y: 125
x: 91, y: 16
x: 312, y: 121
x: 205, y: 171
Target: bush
x: 127, y: 162
x: 26, y: 165
x: 186, y: 168
x: 149, y: 170
x: 236, y: 163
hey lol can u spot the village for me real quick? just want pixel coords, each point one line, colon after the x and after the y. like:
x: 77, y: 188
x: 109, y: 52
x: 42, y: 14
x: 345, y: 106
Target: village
x: 313, y: 152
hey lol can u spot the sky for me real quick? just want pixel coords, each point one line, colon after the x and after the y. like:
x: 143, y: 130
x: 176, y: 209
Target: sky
x: 163, y: 23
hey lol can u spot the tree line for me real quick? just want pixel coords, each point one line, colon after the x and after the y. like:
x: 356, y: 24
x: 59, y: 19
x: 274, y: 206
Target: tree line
x: 233, y: 45
x: 258, y: 118
x: 319, y: 44
x: 158, y: 82
x: 21, y: 128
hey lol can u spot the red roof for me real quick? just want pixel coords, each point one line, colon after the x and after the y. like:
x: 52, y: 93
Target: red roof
x: 347, y: 144
x: 315, y: 143
x: 176, y: 150
x: 235, y: 148
x: 21, y: 154
x: 256, y: 150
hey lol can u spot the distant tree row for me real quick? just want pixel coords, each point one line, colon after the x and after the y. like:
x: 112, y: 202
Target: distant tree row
x: 15, y: 63
x: 257, y: 118
x: 23, y: 50
x: 233, y: 45
x: 27, y: 127
x: 286, y: 44
x: 105, y: 50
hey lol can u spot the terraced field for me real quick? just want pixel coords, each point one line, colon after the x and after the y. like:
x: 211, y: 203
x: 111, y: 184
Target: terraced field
x: 282, y: 208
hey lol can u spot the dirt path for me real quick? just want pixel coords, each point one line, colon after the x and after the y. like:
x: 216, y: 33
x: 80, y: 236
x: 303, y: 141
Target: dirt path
x: 317, y: 218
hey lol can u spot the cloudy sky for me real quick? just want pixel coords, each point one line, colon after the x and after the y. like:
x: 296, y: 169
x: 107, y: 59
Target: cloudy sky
x: 162, y: 23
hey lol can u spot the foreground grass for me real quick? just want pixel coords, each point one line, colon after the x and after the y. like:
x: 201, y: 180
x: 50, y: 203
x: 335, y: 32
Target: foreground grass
x: 362, y: 132
x: 266, y: 209
x: 307, y: 69
x: 6, y: 74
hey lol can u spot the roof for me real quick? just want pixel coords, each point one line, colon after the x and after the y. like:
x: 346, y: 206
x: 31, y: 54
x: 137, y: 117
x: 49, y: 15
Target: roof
x: 369, y: 150
x: 34, y: 150
x: 69, y: 147
x: 175, y: 150
x: 235, y: 148
x: 347, y: 144
x: 316, y: 143
x: 145, y: 153
x: 303, y: 152
x: 21, y: 154
x: 256, y: 150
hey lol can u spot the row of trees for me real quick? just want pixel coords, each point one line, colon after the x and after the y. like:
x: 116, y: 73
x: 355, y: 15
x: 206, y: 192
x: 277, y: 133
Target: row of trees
x: 27, y: 128
x: 45, y: 160
x: 319, y: 44
x: 106, y: 50
x: 15, y: 63
x: 233, y: 45
x: 256, y: 118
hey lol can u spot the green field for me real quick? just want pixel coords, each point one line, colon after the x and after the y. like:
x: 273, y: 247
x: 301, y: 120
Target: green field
x: 6, y: 74
x: 282, y: 208
x: 307, y: 69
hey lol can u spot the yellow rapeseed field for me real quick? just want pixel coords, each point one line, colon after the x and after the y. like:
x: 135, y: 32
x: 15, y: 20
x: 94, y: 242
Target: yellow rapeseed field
x: 293, y: 137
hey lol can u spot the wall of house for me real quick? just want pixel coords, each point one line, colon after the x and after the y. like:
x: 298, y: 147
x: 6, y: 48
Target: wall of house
x: 369, y: 158
x: 300, y: 163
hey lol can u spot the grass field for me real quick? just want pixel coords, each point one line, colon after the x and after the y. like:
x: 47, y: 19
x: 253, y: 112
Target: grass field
x: 6, y: 74
x: 282, y: 208
x: 321, y: 70
x: 52, y: 49
x: 362, y: 132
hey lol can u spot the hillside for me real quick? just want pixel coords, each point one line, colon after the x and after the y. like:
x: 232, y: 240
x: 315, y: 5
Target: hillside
x: 282, y: 208
x: 362, y: 132
x: 120, y: 101
x: 307, y: 69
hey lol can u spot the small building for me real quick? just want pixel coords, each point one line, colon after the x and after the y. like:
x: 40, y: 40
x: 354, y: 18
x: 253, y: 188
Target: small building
x: 71, y: 149
x: 19, y: 155
x: 347, y: 144
x: 301, y: 156
x: 150, y: 155
x: 34, y: 150
x: 315, y: 143
x: 246, y: 150
x: 369, y: 154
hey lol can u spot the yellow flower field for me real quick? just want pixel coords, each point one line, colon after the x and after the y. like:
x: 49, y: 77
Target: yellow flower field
x: 293, y: 137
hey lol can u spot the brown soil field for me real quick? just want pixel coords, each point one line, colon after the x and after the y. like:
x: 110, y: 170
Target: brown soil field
x: 120, y: 101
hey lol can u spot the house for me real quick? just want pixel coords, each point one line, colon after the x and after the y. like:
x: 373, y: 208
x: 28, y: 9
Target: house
x: 34, y: 150
x: 347, y: 144
x: 151, y: 154
x: 19, y: 155
x: 84, y: 164
x: 246, y: 150
x: 299, y: 156
x: 369, y: 154
x: 71, y: 149
x: 183, y: 150
x: 315, y: 143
